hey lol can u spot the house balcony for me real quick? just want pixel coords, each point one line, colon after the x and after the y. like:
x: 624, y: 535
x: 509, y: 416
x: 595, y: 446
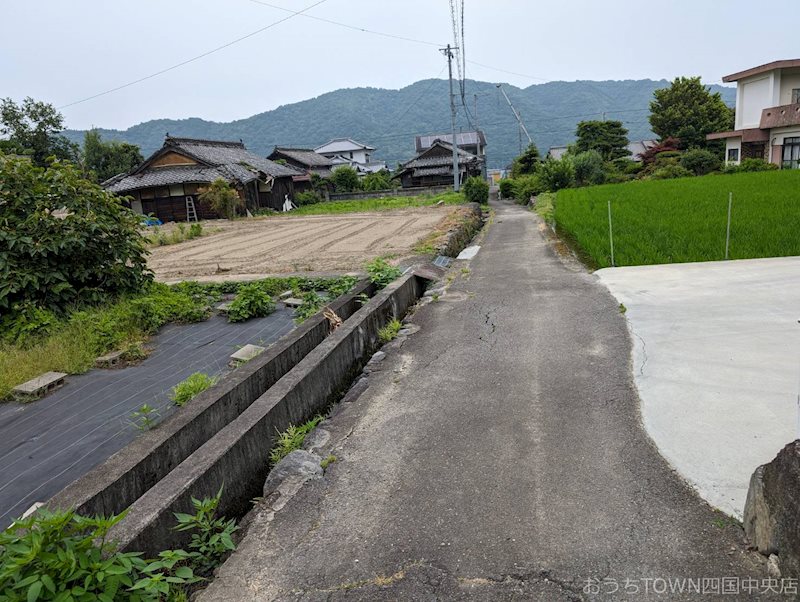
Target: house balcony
x: 778, y: 117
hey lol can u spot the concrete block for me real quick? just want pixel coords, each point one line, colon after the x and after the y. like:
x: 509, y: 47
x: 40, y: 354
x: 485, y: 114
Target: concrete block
x: 285, y: 295
x: 108, y: 360
x: 246, y: 353
x: 292, y: 302
x: 38, y: 387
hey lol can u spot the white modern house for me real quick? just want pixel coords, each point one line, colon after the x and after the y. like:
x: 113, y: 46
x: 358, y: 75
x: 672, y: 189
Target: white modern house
x: 346, y: 151
x: 767, y: 124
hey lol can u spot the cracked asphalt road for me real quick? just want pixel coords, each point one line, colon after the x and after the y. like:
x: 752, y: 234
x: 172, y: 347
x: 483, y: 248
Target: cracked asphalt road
x: 498, y: 454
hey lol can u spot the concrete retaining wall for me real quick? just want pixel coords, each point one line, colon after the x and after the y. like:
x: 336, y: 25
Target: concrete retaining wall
x: 127, y: 475
x: 237, y: 456
x: 460, y: 236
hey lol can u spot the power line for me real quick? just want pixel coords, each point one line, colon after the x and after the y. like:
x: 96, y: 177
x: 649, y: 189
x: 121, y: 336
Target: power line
x: 340, y: 24
x: 194, y: 58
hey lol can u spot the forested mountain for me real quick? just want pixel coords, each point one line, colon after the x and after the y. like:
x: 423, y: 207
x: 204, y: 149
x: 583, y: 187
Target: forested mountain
x: 389, y: 119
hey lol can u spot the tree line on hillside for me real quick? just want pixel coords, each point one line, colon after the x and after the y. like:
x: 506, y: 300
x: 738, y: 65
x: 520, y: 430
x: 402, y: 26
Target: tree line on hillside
x: 680, y: 115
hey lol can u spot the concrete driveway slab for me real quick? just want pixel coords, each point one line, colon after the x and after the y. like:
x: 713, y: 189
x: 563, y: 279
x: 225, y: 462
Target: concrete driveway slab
x: 717, y: 359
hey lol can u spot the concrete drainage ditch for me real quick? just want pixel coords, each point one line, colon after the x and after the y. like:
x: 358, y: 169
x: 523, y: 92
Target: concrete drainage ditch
x: 227, y: 432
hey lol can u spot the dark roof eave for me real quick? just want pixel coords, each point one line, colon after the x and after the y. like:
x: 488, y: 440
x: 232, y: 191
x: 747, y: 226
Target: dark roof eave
x: 784, y: 64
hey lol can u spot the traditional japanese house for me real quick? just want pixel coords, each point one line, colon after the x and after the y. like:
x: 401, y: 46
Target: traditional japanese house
x: 434, y: 166
x: 168, y: 182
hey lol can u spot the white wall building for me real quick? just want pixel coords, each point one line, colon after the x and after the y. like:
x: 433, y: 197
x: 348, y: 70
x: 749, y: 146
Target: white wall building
x: 767, y: 124
x: 346, y: 151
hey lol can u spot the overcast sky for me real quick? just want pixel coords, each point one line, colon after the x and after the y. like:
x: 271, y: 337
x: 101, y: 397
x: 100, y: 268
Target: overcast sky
x: 64, y: 51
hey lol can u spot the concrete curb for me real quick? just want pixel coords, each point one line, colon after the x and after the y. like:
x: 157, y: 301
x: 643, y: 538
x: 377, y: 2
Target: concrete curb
x: 237, y: 456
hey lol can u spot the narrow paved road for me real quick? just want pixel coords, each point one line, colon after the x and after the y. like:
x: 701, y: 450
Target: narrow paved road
x: 497, y: 455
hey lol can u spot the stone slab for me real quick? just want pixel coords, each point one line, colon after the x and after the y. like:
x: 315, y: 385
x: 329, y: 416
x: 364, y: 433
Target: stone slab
x: 292, y: 302
x: 109, y: 359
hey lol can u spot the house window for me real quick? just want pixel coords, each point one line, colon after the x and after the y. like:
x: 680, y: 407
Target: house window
x: 176, y: 190
x: 796, y: 96
x: 791, y: 153
x: 733, y: 155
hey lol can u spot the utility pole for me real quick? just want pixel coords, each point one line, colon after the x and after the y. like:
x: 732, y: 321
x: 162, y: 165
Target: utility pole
x: 448, y: 52
x: 516, y: 114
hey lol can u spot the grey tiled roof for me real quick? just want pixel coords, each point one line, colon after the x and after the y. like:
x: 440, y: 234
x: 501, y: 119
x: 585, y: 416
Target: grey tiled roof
x: 218, y: 159
x: 306, y: 156
x: 463, y: 139
x: 421, y: 161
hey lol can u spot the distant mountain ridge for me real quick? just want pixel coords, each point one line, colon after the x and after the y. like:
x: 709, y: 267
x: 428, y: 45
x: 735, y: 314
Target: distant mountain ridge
x: 389, y: 119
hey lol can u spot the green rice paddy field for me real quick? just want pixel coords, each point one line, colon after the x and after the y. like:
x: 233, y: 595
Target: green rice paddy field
x: 684, y: 220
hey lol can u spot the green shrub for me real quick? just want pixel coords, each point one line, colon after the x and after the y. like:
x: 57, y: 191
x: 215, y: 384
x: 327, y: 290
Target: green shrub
x: 589, y: 168
x: 251, y: 302
x: 669, y: 172
x: 211, y: 536
x: 25, y: 322
x: 699, y: 161
x: 63, y: 239
x: 476, y: 190
x: 307, y: 197
x: 751, y: 165
x: 389, y: 332
x: 191, y: 387
x: 381, y: 272
x: 195, y: 231
x: 292, y: 438
x: 311, y: 304
x: 376, y: 181
x: 222, y: 198
x: 556, y: 174
x: 526, y: 187
x: 64, y: 556
x: 345, y: 179
x: 506, y: 188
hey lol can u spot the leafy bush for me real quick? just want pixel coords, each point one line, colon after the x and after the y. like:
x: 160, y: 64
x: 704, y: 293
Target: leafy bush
x: 476, y: 190
x: 389, y: 332
x: 506, y: 188
x: 376, y: 181
x: 251, y: 301
x: 292, y: 438
x: 211, y: 537
x: 751, y: 165
x: 195, y: 231
x: 63, y: 239
x: 345, y: 179
x: 526, y: 187
x: 527, y: 163
x: 699, y: 161
x: 222, y: 198
x: 191, y: 387
x: 311, y: 304
x: 307, y: 197
x: 589, y: 168
x: 557, y: 174
x: 381, y: 272
x: 668, y: 172
x: 53, y: 556
x: 27, y: 322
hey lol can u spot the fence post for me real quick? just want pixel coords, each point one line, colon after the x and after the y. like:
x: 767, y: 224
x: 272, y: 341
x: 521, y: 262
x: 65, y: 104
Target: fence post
x: 611, y: 234
x: 728, y: 233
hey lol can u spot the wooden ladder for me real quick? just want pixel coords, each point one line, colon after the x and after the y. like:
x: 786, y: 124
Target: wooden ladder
x: 191, y: 210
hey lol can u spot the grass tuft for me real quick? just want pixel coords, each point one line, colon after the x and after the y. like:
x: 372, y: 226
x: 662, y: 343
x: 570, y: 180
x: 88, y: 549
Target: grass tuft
x: 389, y: 332
x: 190, y: 388
x: 380, y: 204
x: 292, y: 438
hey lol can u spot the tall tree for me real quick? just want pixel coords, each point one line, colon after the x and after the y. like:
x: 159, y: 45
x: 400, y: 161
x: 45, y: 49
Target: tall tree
x: 32, y: 128
x: 107, y: 159
x: 609, y: 138
x: 688, y: 111
x: 527, y: 162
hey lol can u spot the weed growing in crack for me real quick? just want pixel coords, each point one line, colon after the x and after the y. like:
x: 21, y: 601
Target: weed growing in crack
x: 389, y: 332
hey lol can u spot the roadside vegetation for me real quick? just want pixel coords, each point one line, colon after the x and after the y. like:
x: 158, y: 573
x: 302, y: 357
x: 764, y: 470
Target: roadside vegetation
x: 68, y: 341
x: 159, y: 236
x: 65, y: 556
x: 292, y: 438
x: 684, y: 220
x: 390, y: 331
x: 379, y: 204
